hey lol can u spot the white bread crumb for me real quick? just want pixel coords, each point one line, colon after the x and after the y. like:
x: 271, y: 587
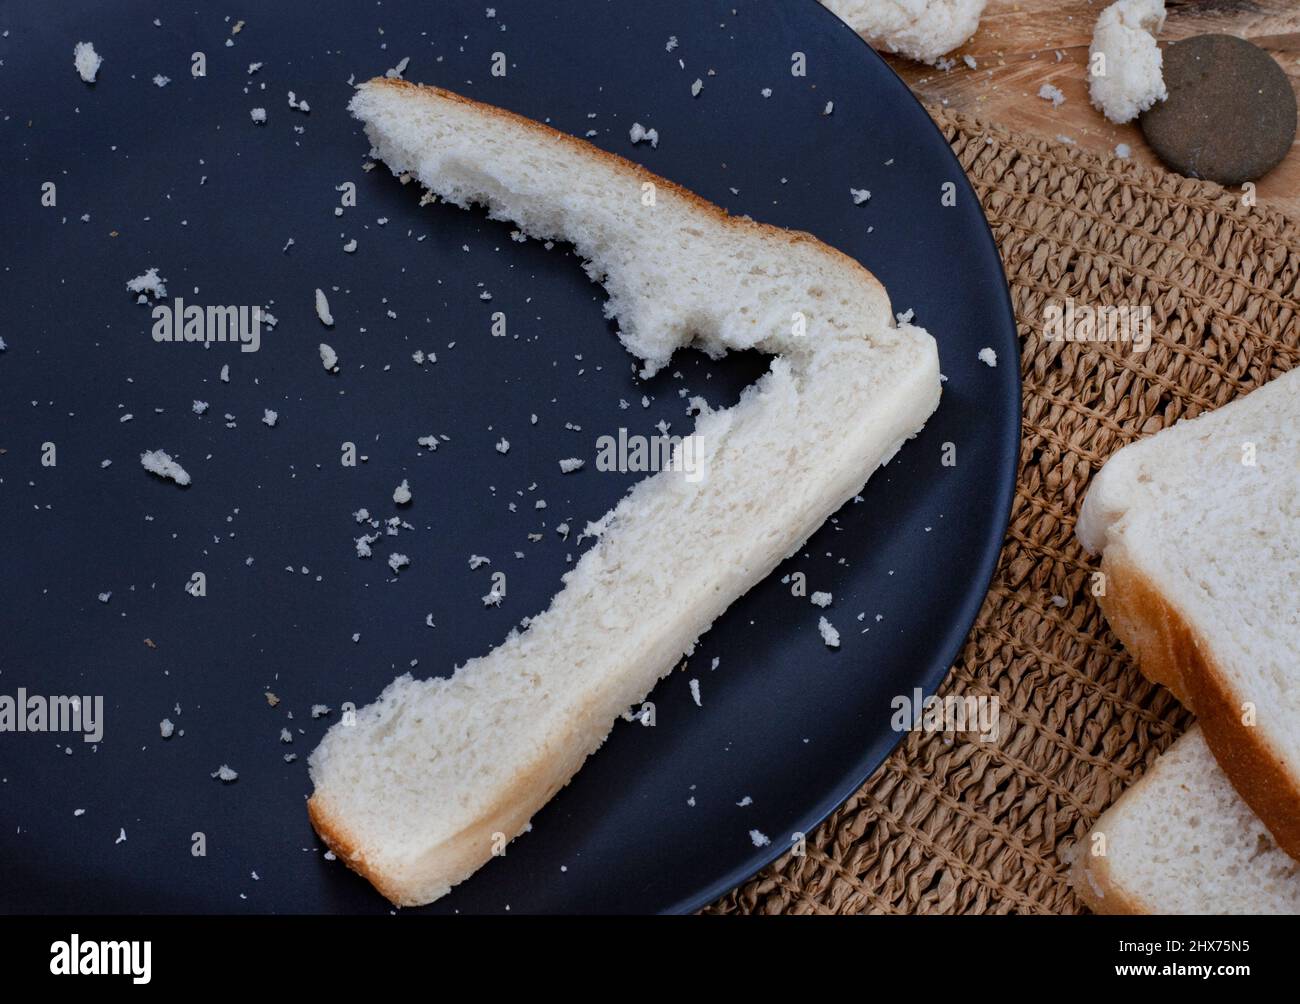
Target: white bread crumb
x: 86, y: 60
x: 1131, y: 83
x: 1049, y: 92
x: 148, y: 283
x: 323, y: 309
x: 158, y: 462
x: 639, y: 133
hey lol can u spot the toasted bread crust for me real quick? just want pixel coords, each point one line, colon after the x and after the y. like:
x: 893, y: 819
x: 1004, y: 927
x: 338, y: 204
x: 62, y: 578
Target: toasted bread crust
x: 1169, y: 652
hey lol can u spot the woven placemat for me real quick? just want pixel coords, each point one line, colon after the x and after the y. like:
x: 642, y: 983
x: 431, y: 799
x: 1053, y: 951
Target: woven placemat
x: 952, y: 824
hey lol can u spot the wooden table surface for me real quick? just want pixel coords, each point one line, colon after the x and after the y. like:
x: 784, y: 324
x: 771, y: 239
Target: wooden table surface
x: 1023, y: 44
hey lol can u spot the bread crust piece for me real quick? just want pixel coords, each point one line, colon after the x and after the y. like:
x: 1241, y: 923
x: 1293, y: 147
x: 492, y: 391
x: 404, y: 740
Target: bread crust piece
x: 1169, y: 652
x: 413, y: 870
x: 585, y: 150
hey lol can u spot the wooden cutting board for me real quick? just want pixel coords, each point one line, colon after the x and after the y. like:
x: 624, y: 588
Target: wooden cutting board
x: 1023, y: 44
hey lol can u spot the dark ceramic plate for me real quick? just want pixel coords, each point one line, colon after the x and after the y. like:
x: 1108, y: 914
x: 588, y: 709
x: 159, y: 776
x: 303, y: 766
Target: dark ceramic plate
x: 179, y: 177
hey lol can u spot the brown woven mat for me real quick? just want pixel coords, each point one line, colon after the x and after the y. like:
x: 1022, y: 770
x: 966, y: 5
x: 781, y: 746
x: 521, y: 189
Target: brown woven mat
x: 953, y: 825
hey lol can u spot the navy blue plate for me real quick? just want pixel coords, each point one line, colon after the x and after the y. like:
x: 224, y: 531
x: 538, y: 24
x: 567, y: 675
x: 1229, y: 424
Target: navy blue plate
x: 180, y: 178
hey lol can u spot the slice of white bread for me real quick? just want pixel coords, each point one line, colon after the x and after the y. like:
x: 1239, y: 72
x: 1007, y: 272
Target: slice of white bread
x: 1199, y: 532
x: 1181, y: 841
x: 437, y: 775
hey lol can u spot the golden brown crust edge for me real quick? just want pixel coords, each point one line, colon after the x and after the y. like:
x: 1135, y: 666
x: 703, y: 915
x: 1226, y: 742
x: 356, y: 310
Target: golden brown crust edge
x: 1167, y: 652
x: 337, y: 840
x: 463, y: 854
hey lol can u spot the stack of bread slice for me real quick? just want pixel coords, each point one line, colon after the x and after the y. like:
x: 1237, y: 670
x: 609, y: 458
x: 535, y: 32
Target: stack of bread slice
x: 1198, y: 528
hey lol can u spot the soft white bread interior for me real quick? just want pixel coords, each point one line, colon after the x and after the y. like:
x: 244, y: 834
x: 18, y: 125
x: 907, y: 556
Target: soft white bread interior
x: 1199, y: 532
x: 919, y: 29
x: 436, y: 775
x: 1181, y: 841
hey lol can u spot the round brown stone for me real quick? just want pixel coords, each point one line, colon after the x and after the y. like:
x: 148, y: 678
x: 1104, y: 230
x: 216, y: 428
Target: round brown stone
x: 1230, y: 115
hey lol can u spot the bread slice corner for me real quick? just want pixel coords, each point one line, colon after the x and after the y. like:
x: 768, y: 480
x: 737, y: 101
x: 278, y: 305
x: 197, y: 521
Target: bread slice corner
x: 1181, y: 841
x: 1200, y: 554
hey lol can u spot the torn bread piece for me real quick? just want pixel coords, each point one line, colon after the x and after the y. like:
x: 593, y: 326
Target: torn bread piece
x: 1181, y: 841
x: 430, y: 781
x: 1198, y: 527
x: 922, y: 30
x: 1124, y: 62
x: 87, y: 61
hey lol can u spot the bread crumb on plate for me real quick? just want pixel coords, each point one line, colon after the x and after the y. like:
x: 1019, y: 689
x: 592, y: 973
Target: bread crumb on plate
x: 87, y: 61
x: 828, y: 632
x: 158, y: 462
